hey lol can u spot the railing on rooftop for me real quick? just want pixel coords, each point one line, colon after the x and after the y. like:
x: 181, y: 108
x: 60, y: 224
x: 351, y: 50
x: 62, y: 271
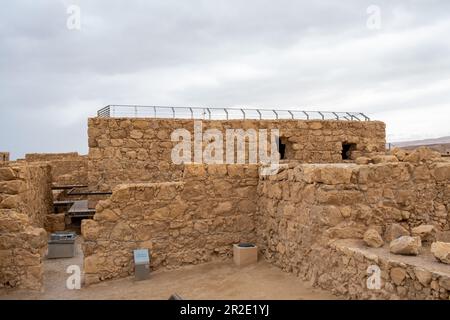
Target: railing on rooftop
x: 207, y: 113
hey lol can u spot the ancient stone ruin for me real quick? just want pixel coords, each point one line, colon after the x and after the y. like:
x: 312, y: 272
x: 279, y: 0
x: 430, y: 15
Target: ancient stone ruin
x: 4, y: 156
x: 339, y: 211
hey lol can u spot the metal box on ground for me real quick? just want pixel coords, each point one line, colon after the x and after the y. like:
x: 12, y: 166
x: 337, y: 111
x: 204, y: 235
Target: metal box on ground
x: 61, y: 245
x: 141, y: 264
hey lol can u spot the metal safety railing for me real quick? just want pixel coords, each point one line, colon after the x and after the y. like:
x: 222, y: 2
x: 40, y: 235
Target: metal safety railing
x: 208, y: 113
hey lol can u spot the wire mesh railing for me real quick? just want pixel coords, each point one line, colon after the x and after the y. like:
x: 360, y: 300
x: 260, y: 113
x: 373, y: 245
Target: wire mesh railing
x: 209, y: 113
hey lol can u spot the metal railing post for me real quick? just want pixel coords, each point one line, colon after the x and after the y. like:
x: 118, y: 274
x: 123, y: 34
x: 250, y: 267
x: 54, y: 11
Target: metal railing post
x: 307, y: 115
x: 337, y: 117
x: 292, y: 115
x: 321, y: 114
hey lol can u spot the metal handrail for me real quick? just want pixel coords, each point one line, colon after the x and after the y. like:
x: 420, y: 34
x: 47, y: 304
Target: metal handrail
x: 211, y: 112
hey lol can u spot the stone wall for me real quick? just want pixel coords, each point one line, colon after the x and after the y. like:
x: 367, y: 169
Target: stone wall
x: 186, y: 222
x: 342, y: 268
x: 22, y: 247
x: 25, y: 201
x: 67, y: 168
x: 27, y: 189
x: 305, y: 208
x: 4, y: 156
x: 125, y: 150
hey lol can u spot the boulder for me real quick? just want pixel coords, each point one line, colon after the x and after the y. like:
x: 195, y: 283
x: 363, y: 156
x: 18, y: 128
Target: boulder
x: 399, y: 153
x: 373, y: 239
x: 384, y: 159
x: 398, y: 275
x: 406, y: 245
x: 442, y: 172
x: 395, y: 231
x: 426, y: 232
x: 422, y: 154
x: 423, y: 276
x: 362, y: 160
x: 441, y: 251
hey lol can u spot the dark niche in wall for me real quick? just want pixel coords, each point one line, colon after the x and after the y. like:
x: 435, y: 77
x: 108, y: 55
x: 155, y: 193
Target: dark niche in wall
x: 347, y: 149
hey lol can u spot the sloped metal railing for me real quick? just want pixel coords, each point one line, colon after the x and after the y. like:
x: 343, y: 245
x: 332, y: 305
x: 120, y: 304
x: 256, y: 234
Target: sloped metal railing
x: 209, y: 113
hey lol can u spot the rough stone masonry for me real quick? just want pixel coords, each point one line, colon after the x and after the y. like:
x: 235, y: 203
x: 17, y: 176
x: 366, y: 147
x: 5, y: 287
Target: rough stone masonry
x: 328, y: 216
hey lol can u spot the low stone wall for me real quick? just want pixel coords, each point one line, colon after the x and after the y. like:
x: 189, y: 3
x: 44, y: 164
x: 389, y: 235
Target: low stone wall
x: 304, y: 208
x: 22, y: 247
x: 125, y: 150
x: 27, y: 189
x: 186, y: 222
x: 345, y: 266
x: 67, y: 168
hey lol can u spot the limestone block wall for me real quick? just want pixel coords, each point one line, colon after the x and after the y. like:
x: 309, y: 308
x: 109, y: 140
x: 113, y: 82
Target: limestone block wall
x: 185, y: 222
x: 67, y: 168
x: 22, y: 247
x: 27, y: 189
x: 25, y: 201
x: 342, y: 268
x: 305, y: 208
x: 139, y: 150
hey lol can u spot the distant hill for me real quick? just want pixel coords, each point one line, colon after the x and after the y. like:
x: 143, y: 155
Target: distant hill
x: 441, y: 144
x: 441, y: 140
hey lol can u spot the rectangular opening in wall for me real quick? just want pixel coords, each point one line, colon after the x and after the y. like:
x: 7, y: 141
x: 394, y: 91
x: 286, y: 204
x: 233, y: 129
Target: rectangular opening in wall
x: 285, y: 148
x: 347, y: 149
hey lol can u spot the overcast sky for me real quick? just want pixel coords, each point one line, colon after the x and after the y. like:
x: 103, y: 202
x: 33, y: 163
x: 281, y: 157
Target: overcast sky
x: 267, y: 54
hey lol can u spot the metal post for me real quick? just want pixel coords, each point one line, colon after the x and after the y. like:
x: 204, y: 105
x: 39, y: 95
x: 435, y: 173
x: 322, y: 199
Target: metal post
x: 321, y: 114
x: 307, y: 115
x: 292, y: 115
x: 336, y: 115
x: 154, y: 111
x: 192, y: 113
x: 173, y: 112
x: 365, y: 117
x: 226, y: 111
x: 276, y: 114
x: 243, y: 113
x: 260, y: 116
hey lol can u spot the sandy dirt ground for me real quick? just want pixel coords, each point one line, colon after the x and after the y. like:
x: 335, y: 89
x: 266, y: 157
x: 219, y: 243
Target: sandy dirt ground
x: 217, y: 280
